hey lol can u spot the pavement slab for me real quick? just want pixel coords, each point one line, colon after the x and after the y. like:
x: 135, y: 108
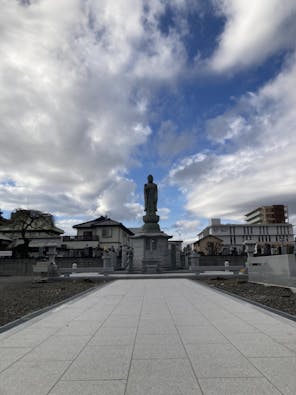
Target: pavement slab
x: 158, y: 336
x: 98, y: 387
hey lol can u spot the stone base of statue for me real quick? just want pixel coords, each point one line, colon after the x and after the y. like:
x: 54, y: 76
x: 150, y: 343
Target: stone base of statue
x: 150, y: 265
x: 151, y: 227
x: 151, y: 223
x: 151, y: 253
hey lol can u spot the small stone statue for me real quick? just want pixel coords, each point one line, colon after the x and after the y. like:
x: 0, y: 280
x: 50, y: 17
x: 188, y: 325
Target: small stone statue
x: 151, y: 196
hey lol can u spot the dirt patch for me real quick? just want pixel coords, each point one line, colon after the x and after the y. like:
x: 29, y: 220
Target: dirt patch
x: 276, y: 297
x: 18, y: 298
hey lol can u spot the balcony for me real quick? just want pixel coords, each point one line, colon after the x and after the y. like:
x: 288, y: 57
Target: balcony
x: 80, y: 238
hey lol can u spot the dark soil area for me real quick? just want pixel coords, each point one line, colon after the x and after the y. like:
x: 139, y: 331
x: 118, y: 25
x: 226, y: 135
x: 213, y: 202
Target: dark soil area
x: 276, y: 297
x: 21, y: 297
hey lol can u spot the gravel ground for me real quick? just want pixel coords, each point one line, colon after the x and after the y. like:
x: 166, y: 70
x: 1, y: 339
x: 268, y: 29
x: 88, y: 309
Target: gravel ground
x: 276, y: 297
x: 22, y: 296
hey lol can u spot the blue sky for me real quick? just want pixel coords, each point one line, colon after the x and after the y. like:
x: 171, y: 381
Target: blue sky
x: 97, y: 94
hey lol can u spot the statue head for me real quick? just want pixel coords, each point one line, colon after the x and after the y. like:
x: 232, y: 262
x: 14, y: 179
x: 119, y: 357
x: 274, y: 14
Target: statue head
x: 150, y: 178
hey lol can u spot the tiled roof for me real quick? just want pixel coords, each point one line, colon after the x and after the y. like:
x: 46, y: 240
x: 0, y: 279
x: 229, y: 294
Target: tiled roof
x: 102, y: 221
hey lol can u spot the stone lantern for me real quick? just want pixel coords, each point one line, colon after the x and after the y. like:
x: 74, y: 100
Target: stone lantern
x: 250, y: 249
x: 52, y: 267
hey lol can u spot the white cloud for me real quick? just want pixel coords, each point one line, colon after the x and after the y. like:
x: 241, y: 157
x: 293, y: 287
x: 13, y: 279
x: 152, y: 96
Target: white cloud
x: 169, y: 142
x: 164, y: 213
x: 67, y: 224
x: 122, y: 190
x: 253, y: 31
x: 185, y: 230
x: 76, y: 80
x: 187, y: 225
x: 258, y: 166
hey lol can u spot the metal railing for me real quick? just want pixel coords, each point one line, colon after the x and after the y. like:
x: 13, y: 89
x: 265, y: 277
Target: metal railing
x: 80, y: 238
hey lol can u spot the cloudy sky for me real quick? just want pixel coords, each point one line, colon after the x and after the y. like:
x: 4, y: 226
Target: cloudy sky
x: 97, y: 94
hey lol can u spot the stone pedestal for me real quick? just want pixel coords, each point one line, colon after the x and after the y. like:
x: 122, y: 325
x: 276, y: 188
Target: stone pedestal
x: 151, y: 252
x: 151, y: 223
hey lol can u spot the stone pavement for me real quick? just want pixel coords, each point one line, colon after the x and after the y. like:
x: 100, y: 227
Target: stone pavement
x: 150, y: 337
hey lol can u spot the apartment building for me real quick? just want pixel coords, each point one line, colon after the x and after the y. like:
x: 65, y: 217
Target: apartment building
x: 276, y: 214
x: 269, y: 238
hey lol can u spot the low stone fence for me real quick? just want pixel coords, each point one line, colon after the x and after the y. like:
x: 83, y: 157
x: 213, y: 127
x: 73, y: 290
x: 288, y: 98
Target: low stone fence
x: 235, y: 270
x: 24, y: 267
x: 81, y: 262
x: 218, y: 260
x: 16, y: 267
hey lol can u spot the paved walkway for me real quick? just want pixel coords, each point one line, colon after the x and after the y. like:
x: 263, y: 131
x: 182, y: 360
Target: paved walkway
x: 151, y: 337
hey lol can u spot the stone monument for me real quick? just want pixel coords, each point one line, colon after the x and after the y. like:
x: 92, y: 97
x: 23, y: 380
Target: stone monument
x: 107, y: 262
x: 150, y: 245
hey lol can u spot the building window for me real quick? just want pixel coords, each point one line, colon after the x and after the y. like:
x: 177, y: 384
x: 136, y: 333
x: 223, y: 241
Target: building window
x: 106, y: 232
x: 87, y: 235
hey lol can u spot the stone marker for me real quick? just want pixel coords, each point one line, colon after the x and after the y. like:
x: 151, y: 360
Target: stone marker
x: 226, y: 264
x: 107, y: 262
x: 194, y: 260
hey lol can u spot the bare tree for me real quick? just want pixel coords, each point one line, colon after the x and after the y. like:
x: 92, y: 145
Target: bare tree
x: 25, y: 222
